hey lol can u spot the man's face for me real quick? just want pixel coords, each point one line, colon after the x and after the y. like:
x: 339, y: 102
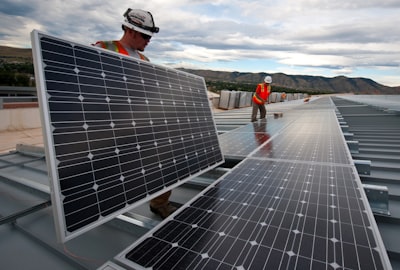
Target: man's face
x: 139, y: 40
x: 143, y: 40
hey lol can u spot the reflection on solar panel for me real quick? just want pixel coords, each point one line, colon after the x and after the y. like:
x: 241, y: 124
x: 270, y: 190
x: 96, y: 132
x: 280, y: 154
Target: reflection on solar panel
x: 285, y: 211
x: 239, y: 143
x: 117, y: 130
x: 315, y: 137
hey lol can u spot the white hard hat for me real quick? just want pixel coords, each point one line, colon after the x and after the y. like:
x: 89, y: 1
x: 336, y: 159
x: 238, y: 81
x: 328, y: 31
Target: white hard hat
x: 268, y: 79
x: 141, y: 21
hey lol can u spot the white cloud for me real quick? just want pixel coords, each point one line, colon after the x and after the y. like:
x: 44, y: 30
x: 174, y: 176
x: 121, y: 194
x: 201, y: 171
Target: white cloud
x: 306, y: 35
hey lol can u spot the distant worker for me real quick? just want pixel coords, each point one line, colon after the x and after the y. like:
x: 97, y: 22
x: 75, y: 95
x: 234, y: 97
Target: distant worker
x: 260, y: 97
x: 139, y: 27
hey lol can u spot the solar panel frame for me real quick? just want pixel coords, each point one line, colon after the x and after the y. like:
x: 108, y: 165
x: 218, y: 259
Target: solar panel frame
x: 110, y: 122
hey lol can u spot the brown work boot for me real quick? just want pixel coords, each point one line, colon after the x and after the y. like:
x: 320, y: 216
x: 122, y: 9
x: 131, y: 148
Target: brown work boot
x: 163, y: 211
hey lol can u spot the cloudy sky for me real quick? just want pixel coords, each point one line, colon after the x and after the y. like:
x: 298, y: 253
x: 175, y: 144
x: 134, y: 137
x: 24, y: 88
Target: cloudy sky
x: 357, y: 38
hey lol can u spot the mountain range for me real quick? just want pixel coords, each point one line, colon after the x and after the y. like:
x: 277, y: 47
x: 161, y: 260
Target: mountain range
x: 339, y: 84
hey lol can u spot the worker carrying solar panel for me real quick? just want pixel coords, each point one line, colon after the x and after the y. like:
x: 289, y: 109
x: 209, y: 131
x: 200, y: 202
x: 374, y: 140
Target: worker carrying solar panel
x: 260, y: 97
x: 139, y: 27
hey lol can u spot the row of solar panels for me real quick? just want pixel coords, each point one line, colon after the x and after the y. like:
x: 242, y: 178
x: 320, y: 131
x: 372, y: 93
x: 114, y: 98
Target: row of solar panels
x: 295, y: 201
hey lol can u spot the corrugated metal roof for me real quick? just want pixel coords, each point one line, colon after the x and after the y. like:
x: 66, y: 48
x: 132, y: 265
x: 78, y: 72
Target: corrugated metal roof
x: 26, y: 215
x: 375, y: 123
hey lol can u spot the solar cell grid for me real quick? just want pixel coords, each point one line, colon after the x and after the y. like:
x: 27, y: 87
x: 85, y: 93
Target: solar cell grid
x: 237, y: 144
x: 312, y: 137
x: 268, y: 215
x: 313, y: 150
x: 294, y: 203
x: 117, y: 129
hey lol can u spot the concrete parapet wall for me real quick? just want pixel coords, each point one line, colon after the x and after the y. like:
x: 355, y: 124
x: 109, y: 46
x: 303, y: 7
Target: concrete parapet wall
x: 19, y: 119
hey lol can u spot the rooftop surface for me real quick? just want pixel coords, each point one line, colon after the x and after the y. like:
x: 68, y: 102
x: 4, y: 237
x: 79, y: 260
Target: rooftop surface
x: 26, y: 213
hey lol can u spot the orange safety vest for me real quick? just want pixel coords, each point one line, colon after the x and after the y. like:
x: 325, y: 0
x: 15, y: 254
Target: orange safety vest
x: 116, y: 46
x: 261, y: 94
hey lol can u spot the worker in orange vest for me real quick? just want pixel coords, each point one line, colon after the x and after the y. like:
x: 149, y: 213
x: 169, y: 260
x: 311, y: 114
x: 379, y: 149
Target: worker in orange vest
x: 139, y: 27
x: 260, y: 97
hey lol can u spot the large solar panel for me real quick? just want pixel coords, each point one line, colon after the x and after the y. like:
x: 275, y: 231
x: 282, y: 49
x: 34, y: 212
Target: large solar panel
x: 117, y: 130
x: 290, y: 210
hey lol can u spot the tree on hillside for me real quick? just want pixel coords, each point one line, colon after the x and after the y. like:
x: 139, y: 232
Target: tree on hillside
x: 16, y: 74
